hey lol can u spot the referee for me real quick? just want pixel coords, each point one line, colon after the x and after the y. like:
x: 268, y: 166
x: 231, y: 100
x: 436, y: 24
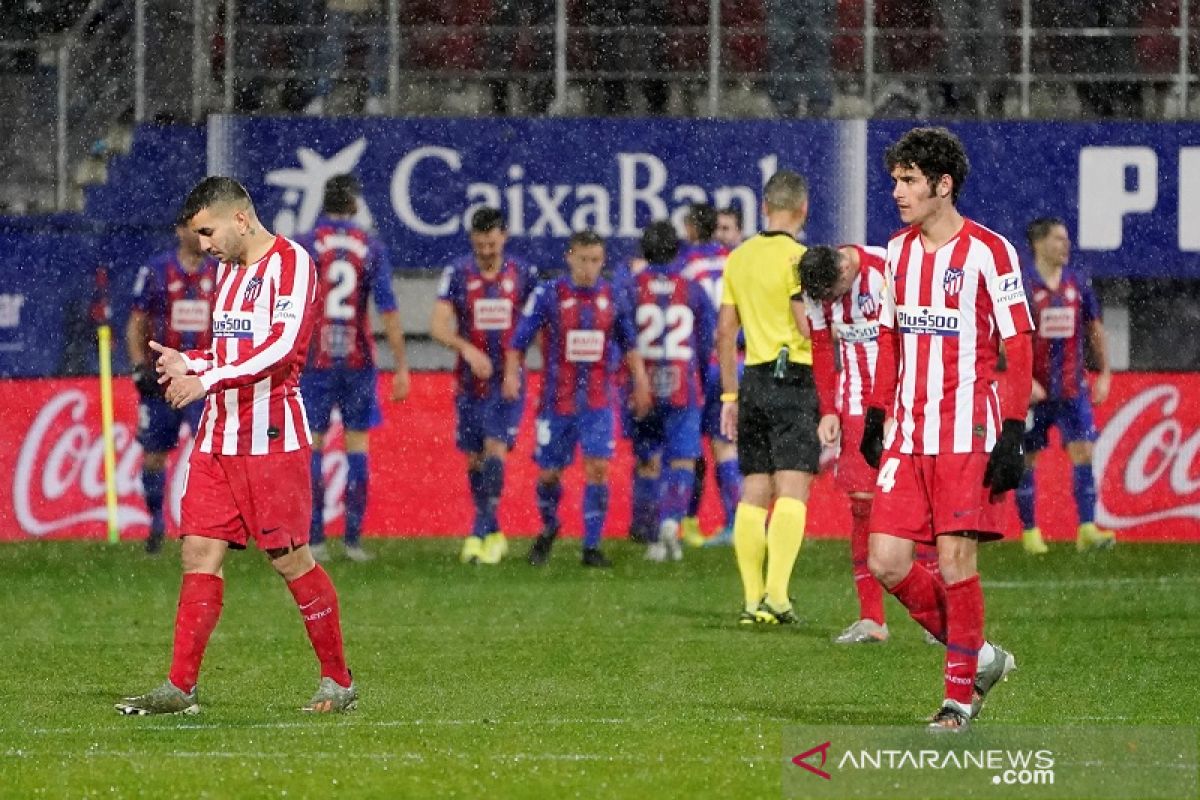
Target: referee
x: 773, y: 414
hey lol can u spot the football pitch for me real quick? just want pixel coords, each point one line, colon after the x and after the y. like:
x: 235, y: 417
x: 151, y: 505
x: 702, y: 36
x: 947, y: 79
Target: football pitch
x: 514, y: 682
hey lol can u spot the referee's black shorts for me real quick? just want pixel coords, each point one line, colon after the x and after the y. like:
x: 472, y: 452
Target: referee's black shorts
x: 777, y: 421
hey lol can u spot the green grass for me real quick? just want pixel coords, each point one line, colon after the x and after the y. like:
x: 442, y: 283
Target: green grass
x: 514, y: 682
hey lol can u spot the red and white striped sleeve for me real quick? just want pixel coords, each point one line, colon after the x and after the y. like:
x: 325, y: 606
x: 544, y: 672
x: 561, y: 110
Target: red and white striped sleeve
x: 291, y: 281
x: 1006, y: 290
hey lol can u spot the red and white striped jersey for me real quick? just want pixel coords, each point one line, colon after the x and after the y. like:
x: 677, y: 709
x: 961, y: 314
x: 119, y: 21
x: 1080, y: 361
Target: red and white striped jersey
x: 262, y: 321
x: 854, y: 319
x: 950, y: 309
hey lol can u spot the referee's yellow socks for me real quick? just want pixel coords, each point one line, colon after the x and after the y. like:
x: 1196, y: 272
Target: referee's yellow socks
x: 784, y: 536
x: 750, y: 548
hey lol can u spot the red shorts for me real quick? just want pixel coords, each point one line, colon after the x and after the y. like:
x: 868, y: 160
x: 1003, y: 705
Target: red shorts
x: 919, y: 497
x: 852, y: 473
x: 267, y: 498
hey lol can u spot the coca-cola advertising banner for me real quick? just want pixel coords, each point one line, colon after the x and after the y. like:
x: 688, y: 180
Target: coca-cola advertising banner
x: 52, y: 473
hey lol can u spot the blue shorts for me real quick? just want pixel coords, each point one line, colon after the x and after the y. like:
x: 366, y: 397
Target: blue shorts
x: 490, y: 417
x: 1073, y: 418
x: 351, y: 390
x: 710, y: 419
x: 557, y: 435
x: 158, y: 423
x: 672, y: 431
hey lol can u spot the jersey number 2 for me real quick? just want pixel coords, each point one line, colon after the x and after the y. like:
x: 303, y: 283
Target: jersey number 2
x: 676, y: 321
x: 343, y: 280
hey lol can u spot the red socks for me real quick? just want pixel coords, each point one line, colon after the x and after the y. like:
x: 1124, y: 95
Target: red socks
x: 200, y: 599
x: 927, y: 557
x: 925, y: 599
x: 964, y: 637
x: 317, y: 599
x: 870, y: 593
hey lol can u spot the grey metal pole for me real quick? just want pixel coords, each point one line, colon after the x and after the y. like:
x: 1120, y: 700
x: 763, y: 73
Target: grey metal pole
x: 60, y: 152
x: 1026, y: 54
x: 869, y: 53
x: 139, y: 61
x: 197, y: 59
x: 560, y: 57
x: 230, y: 29
x: 714, y: 57
x: 1185, y: 88
x: 393, y: 86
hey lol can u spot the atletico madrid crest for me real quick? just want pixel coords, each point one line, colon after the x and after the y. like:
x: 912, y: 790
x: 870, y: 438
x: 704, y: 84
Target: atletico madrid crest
x: 867, y: 305
x: 952, y: 281
x: 253, y: 290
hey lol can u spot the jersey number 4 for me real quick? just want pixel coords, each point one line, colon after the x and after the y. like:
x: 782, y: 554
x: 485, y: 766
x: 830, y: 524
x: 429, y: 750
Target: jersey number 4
x: 343, y: 280
x: 676, y: 322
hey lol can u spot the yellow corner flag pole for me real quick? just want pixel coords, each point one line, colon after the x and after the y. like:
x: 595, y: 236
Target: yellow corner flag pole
x: 106, y: 422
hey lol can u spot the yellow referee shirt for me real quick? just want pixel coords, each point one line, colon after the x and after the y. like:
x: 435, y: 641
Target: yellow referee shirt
x: 761, y: 278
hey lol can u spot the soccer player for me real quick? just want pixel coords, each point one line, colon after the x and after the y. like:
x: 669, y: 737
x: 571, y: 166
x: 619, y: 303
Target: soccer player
x: 581, y: 318
x: 729, y: 226
x: 953, y: 293
x: 1065, y: 313
x: 772, y: 414
x: 172, y: 304
x: 704, y: 262
x: 352, y: 266
x: 248, y: 475
x: 676, y: 321
x: 475, y: 315
x: 843, y: 288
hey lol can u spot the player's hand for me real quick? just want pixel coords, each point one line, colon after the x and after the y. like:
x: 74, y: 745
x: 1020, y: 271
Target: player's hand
x: 510, y: 389
x: 829, y: 430
x: 170, y: 363
x: 477, y: 360
x: 185, y: 390
x: 1100, y: 387
x: 145, y: 380
x: 400, y: 385
x: 1038, y: 394
x: 1006, y: 464
x: 871, y: 445
x: 729, y: 419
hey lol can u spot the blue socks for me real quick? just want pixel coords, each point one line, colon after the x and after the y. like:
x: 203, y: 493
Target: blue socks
x: 356, y: 496
x: 677, y: 487
x: 548, y: 497
x: 491, y: 482
x: 1025, y: 497
x: 316, y: 526
x: 475, y: 480
x: 645, y: 504
x: 1084, y: 484
x: 595, y: 509
x: 693, y: 509
x: 729, y: 482
x: 154, y: 485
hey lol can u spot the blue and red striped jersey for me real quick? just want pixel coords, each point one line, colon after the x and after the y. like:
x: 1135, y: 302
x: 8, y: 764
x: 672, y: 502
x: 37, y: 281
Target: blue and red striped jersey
x: 178, y: 305
x: 486, y: 308
x: 1062, y: 318
x: 581, y: 325
x: 676, y: 323
x: 352, y: 266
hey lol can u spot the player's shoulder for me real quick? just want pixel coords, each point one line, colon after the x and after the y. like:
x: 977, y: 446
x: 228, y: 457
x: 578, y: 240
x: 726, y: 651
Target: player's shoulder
x: 997, y: 243
x: 902, y: 237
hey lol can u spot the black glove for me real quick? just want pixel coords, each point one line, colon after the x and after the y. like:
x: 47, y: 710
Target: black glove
x: 1006, y: 464
x: 871, y: 445
x: 145, y: 380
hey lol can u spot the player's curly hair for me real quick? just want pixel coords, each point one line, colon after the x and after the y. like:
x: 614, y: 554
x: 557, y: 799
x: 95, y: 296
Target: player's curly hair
x: 704, y: 218
x: 660, y: 245
x: 820, y: 269
x: 211, y: 191
x: 934, y: 152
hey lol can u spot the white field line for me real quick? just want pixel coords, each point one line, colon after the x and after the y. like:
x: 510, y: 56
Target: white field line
x: 18, y: 753
x: 1165, y: 581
